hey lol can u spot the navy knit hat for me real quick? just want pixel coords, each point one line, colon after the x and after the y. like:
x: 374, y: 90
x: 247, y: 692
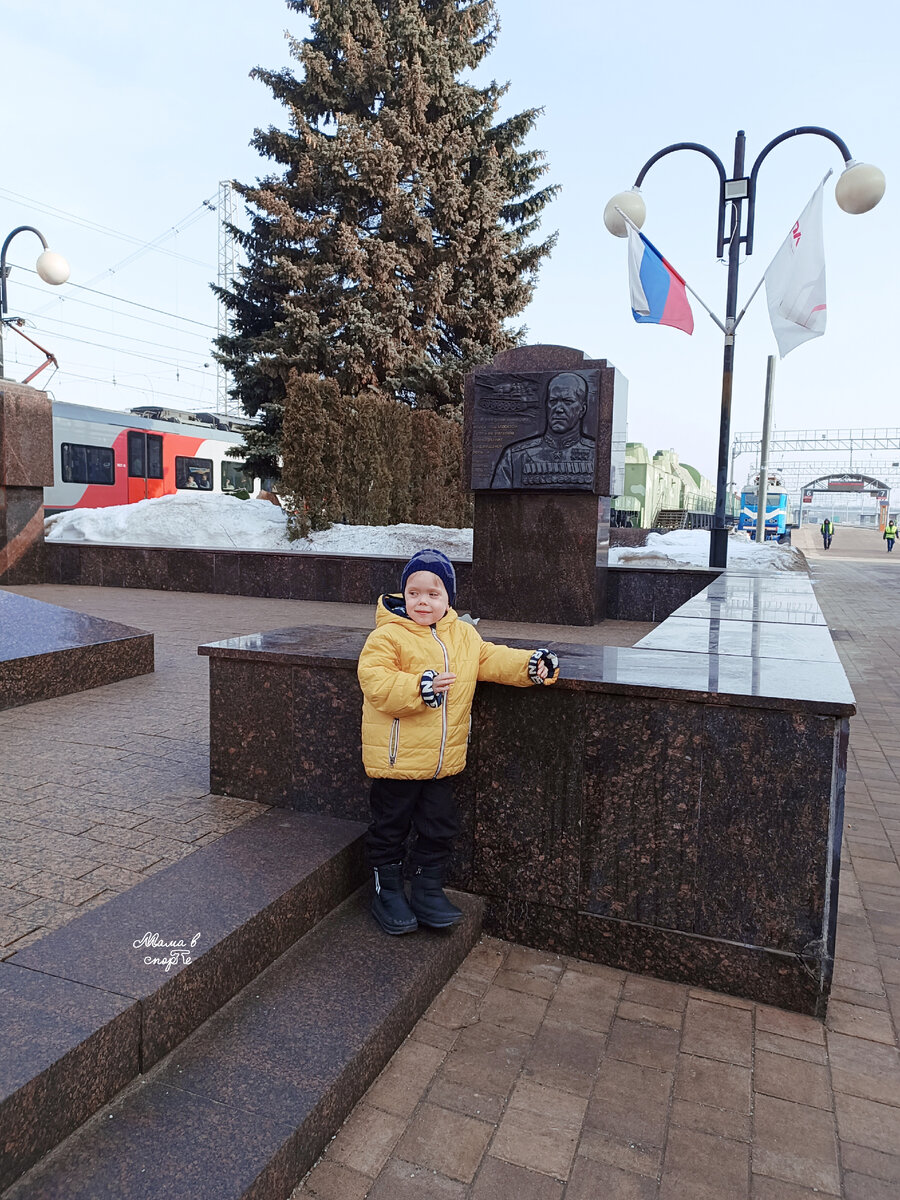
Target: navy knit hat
x: 438, y: 564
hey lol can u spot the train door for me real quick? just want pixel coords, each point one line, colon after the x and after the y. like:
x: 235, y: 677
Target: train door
x: 145, y: 465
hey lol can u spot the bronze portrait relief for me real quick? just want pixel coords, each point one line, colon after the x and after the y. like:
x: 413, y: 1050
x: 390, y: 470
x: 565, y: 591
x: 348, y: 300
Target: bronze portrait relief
x: 535, y: 431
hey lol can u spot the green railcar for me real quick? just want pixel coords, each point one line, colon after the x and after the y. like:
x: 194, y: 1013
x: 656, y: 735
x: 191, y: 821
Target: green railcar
x: 663, y: 492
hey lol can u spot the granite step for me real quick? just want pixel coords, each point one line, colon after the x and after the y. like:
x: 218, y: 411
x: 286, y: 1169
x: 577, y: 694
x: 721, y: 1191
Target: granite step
x: 245, y: 1105
x: 90, y: 1007
x: 48, y: 651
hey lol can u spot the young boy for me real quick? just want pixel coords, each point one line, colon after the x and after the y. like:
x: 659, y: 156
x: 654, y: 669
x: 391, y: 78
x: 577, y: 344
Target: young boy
x: 418, y: 671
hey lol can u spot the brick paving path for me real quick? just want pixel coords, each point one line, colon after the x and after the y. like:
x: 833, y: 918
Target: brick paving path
x: 536, y: 1077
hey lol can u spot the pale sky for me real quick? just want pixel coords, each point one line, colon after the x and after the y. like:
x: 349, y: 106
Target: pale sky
x: 125, y: 117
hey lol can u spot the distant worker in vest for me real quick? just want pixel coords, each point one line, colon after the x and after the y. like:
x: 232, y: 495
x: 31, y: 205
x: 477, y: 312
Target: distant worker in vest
x: 827, y: 531
x: 890, y: 534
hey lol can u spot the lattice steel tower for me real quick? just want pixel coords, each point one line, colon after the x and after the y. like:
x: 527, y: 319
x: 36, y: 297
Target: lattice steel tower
x: 227, y: 272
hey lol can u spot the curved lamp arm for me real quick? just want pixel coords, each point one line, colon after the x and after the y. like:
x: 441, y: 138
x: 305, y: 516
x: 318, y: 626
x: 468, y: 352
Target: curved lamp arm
x: 19, y: 229
x: 782, y: 137
x: 720, y: 167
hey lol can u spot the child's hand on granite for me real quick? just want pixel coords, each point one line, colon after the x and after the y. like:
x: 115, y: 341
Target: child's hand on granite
x: 542, y: 666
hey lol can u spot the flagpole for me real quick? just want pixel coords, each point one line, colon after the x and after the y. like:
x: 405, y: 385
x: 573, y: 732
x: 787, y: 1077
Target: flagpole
x: 628, y: 221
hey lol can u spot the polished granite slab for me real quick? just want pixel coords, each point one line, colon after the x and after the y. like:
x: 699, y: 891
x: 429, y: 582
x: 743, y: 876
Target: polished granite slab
x: 29, y: 627
x: 651, y: 594
x: 67, y: 1049
x: 818, y: 685
x: 48, y: 651
x: 795, y: 608
x: 781, y: 642
x: 780, y: 582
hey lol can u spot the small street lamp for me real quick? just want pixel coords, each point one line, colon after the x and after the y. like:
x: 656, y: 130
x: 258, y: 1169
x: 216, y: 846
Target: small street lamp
x: 51, y: 267
x: 858, y: 189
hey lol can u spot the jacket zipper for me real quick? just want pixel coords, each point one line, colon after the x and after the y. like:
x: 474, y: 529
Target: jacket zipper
x: 394, y: 746
x: 443, y: 706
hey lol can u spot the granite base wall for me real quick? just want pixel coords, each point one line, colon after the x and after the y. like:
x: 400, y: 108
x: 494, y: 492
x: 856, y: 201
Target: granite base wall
x: 632, y: 594
x: 646, y: 594
x: 594, y: 844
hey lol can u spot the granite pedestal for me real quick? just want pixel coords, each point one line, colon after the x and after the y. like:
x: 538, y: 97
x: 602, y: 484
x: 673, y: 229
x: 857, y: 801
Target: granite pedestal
x: 542, y: 493
x: 26, y: 467
x: 583, y: 824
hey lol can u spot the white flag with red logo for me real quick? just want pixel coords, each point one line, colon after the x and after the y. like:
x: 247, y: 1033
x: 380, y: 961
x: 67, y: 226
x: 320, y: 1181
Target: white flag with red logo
x: 795, y: 281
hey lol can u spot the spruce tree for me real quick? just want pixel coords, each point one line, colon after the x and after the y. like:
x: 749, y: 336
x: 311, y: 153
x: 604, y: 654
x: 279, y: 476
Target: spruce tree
x: 396, y: 239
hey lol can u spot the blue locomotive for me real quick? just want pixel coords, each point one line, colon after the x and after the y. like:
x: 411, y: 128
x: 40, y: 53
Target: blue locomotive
x: 777, y: 507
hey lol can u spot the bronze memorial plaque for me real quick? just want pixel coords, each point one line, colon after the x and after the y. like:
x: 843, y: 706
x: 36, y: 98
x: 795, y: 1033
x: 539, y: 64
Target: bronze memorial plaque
x: 535, y: 430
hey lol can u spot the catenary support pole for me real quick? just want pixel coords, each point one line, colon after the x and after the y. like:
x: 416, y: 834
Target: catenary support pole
x: 762, y: 494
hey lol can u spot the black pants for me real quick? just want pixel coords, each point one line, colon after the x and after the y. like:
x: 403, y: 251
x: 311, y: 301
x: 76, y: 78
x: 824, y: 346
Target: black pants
x: 400, y: 804
x: 826, y: 538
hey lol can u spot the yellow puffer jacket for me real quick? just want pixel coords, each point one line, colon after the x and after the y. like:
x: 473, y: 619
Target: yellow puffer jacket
x: 402, y: 738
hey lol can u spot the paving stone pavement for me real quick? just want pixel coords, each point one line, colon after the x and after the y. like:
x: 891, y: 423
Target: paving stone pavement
x: 537, y: 1077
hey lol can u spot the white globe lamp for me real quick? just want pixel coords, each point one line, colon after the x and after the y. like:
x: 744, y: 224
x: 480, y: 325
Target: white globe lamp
x: 52, y: 268
x: 632, y: 205
x: 859, y: 187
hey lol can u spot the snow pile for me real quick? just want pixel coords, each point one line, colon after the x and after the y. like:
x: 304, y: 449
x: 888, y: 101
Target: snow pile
x: 201, y: 521
x: 690, y: 548
x: 393, y: 541
x: 185, y: 519
x: 218, y: 522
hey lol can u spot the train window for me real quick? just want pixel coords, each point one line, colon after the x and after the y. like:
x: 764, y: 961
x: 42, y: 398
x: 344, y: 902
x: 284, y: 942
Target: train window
x: 88, y: 464
x: 145, y: 455
x: 194, y: 473
x: 154, y: 456
x: 236, y: 477
x: 137, y: 461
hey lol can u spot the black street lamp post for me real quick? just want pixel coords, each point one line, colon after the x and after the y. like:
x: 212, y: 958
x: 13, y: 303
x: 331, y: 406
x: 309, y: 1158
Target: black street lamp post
x: 858, y: 189
x: 51, y: 267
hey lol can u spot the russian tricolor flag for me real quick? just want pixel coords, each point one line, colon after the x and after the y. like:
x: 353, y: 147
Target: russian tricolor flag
x: 658, y: 295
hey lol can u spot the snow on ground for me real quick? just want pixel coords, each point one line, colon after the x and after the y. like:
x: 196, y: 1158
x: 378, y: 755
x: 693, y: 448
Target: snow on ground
x: 690, y: 548
x: 223, y: 522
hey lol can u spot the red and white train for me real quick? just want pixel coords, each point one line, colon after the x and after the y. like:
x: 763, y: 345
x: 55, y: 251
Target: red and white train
x: 102, y: 457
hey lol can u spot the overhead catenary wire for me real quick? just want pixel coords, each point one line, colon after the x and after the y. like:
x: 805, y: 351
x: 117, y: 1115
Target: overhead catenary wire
x: 130, y: 338
x: 162, y: 358
x: 121, y: 300
x: 128, y: 353
x: 131, y: 387
x: 195, y: 214
x: 154, y: 245
x: 125, y: 316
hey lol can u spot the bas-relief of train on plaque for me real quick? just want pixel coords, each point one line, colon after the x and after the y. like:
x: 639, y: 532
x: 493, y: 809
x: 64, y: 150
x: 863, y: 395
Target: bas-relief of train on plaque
x: 535, y: 430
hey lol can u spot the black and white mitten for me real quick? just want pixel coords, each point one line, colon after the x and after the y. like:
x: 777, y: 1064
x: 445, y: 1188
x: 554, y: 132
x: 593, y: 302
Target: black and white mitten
x: 432, y: 698
x: 550, y: 661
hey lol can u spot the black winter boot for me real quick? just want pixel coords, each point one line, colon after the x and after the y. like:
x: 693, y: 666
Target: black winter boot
x: 428, y: 901
x: 389, y: 907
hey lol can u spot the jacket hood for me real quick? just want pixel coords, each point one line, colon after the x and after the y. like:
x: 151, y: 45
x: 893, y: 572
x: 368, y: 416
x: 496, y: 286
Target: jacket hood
x: 391, y: 610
